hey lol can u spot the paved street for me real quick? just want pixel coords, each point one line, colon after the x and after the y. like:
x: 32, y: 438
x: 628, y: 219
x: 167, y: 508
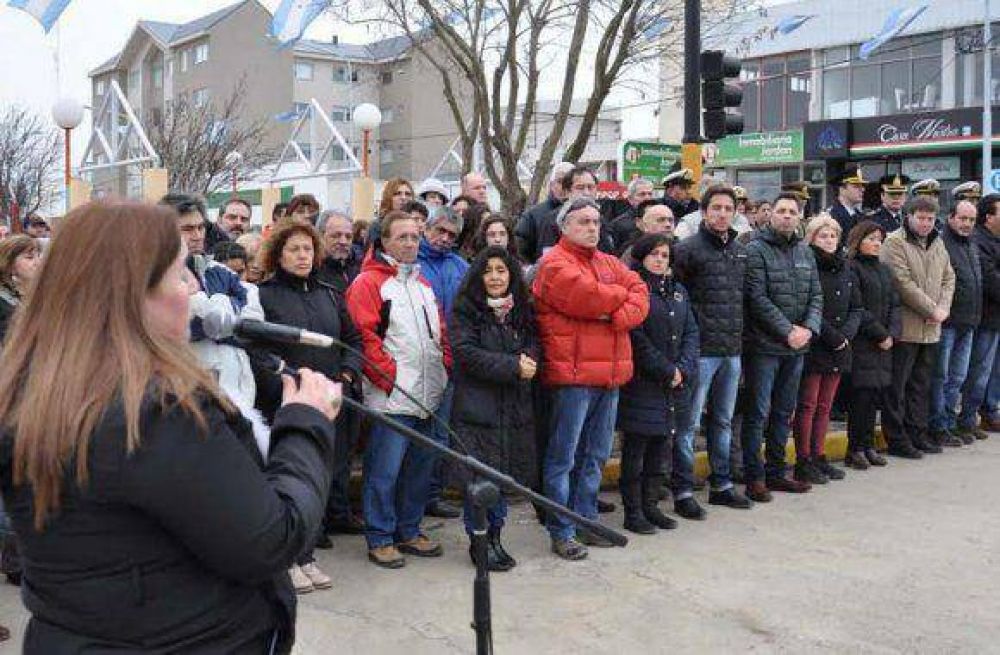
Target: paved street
x: 905, y: 559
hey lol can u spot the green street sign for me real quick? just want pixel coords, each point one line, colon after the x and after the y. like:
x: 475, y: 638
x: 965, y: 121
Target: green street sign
x: 759, y: 148
x: 252, y: 196
x: 648, y: 159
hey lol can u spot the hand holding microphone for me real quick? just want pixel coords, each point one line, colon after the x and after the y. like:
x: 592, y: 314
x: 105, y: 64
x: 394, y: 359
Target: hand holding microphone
x: 312, y: 389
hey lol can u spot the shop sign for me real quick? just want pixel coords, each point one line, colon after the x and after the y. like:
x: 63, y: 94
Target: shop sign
x: 760, y: 148
x: 827, y: 139
x: 955, y: 129
x: 648, y: 159
x: 939, y: 168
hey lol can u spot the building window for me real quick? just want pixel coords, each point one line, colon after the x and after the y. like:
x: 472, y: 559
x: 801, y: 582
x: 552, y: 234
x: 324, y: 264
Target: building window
x: 345, y: 74
x: 386, y: 155
x: 751, y: 95
x: 836, y: 93
x: 337, y: 153
x: 772, y: 97
x: 200, y: 97
x: 303, y: 70
x: 340, y: 114
x: 201, y: 53
x: 300, y: 108
x: 387, y: 116
x: 799, y: 90
x: 170, y: 67
x: 776, y: 92
x: 157, y: 75
x: 865, y: 91
x: 99, y: 88
x: 895, y: 88
x: 133, y: 81
x: 386, y: 77
x: 185, y: 60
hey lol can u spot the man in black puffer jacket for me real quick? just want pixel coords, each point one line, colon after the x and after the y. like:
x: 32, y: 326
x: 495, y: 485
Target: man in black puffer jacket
x: 958, y: 332
x: 784, y: 311
x: 711, y: 266
x: 987, y: 239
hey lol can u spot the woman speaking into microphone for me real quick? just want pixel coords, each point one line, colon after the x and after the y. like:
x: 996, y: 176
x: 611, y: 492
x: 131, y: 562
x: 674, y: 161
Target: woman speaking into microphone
x: 148, y: 520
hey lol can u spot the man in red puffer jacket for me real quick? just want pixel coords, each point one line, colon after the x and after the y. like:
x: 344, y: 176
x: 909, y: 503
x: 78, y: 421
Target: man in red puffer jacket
x: 587, y: 302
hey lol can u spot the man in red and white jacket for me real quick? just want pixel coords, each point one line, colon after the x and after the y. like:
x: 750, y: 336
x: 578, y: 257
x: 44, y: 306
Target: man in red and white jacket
x: 586, y: 303
x: 404, y: 335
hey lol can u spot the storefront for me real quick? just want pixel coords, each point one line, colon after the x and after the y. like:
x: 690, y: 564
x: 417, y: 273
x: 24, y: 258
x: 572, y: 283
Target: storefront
x: 762, y: 162
x: 944, y: 145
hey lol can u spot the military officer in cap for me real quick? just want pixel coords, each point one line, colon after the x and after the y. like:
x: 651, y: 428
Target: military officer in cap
x: 971, y: 191
x: 890, y: 215
x: 930, y: 188
x: 677, y: 193
x: 846, y: 209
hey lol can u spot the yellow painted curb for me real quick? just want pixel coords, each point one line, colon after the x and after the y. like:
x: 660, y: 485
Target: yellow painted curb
x: 836, y: 448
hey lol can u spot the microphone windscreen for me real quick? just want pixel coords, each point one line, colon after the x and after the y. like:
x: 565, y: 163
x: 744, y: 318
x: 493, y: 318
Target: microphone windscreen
x: 218, y: 325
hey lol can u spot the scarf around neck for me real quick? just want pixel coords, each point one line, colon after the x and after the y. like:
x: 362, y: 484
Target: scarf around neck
x: 501, y: 306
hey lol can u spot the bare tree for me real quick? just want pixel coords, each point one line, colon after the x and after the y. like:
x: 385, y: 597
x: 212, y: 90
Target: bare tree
x: 29, y: 155
x: 490, y: 55
x: 194, y: 139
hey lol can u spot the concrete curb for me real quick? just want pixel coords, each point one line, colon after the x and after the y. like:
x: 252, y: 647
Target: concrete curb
x: 836, y: 448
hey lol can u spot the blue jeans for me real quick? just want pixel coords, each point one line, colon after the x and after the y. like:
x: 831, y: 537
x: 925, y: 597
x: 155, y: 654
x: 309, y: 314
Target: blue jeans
x: 772, y: 388
x: 582, y: 424
x: 721, y: 377
x: 496, y: 514
x: 984, y: 350
x: 442, y: 437
x: 397, y: 476
x: 950, y: 369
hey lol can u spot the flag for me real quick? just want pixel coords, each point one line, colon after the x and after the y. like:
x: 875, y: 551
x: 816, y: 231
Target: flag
x: 45, y: 12
x: 656, y: 27
x: 789, y: 24
x: 288, y: 116
x: 293, y: 17
x: 897, y: 21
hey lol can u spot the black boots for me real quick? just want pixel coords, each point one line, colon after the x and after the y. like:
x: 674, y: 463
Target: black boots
x: 642, y: 516
x: 498, y: 559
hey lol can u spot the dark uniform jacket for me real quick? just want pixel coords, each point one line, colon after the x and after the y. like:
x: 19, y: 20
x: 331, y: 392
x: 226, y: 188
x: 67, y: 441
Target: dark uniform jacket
x: 884, y: 219
x: 782, y: 290
x: 339, y: 273
x: 680, y: 209
x: 713, y: 271
x: 845, y: 218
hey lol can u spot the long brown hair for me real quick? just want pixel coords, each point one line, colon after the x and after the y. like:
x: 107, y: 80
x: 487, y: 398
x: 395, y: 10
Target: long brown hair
x: 10, y: 249
x: 83, y: 342
x: 388, y: 191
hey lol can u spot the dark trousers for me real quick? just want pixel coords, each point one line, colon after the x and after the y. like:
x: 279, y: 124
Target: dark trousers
x: 338, y: 505
x: 642, y: 468
x: 904, y: 418
x: 772, y: 386
x: 864, y: 403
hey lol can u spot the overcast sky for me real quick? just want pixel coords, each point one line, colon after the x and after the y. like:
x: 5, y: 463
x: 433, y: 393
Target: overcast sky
x: 91, y: 31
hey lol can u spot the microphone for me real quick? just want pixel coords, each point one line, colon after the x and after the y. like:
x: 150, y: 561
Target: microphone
x: 222, y: 326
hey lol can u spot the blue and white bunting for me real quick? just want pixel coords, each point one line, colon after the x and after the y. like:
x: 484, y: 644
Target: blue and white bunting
x: 789, y: 24
x: 45, y: 12
x: 293, y: 17
x: 896, y: 22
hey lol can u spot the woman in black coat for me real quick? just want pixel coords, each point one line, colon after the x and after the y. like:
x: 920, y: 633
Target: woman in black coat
x: 19, y: 261
x: 829, y: 355
x: 150, y: 522
x: 495, y: 345
x: 655, y: 402
x: 872, y: 366
x: 295, y: 295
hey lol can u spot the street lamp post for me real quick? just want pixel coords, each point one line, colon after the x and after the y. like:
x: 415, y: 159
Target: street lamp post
x: 68, y: 114
x: 367, y: 117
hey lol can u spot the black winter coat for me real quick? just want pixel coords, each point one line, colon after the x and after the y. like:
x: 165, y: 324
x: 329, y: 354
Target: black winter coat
x: 339, y: 273
x: 844, y: 218
x: 492, y: 410
x: 623, y: 230
x: 842, y: 315
x: 666, y: 341
x: 9, y: 300
x: 967, y: 303
x: 537, y: 231
x: 884, y: 219
x: 713, y: 272
x: 313, y: 305
x: 181, y: 546
x: 989, y: 260
x: 782, y: 290
x: 680, y: 209
x: 871, y: 366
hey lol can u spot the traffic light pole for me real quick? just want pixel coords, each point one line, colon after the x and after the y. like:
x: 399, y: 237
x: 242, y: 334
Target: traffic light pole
x: 691, y: 148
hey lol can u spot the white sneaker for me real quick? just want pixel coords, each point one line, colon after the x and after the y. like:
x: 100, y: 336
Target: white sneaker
x: 319, y: 579
x: 301, y: 582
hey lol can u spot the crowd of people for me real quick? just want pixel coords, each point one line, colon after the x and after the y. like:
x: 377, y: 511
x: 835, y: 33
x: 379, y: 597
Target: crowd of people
x: 530, y: 344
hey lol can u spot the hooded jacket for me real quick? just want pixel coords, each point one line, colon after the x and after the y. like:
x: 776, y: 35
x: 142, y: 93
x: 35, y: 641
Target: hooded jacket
x: 445, y: 270
x: 404, y: 336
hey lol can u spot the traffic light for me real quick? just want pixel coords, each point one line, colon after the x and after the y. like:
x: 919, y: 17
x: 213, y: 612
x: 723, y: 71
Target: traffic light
x: 718, y: 94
